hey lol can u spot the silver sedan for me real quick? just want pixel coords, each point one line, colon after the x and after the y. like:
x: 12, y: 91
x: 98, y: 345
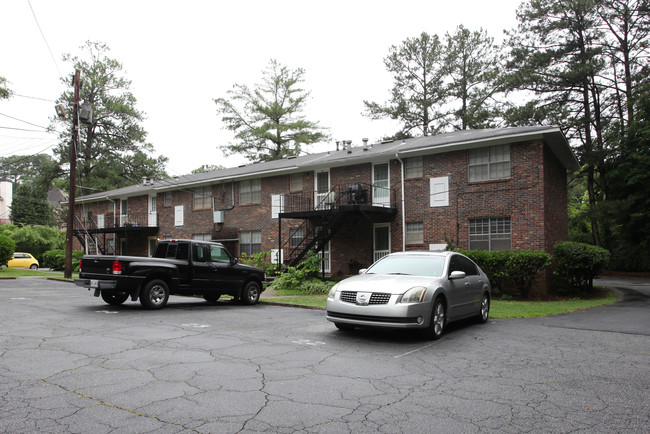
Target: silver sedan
x: 415, y: 290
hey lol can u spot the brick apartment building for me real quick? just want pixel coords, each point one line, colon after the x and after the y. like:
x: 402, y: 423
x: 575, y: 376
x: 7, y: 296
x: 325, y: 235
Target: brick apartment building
x: 477, y: 189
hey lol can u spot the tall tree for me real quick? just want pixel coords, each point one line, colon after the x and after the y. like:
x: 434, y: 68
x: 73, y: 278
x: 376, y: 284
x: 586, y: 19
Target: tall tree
x: 5, y: 92
x: 31, y: 207
x: 555, y: 55
x: 472, y: 67
x: 267, y: 121
x: 40, y: 169
x: 418, y: 91
x: 113, y: 151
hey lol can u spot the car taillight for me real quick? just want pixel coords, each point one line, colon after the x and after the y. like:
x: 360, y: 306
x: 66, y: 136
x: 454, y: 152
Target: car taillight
x: 117, y: 267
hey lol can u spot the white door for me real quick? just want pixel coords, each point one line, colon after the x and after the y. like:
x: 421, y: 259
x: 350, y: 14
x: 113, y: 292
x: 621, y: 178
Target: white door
x: 153, y: 213
x: 321, y: 195
x: 381, y: 241
x: 124, y: 212
x: 380, y: 185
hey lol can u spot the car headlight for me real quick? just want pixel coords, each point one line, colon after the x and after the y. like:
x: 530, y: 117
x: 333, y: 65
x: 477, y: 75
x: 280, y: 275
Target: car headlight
x: 414, y: 295
x: 332, y: 292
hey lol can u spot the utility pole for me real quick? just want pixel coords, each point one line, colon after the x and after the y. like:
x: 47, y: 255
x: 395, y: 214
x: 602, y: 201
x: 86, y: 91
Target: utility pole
x: 76, y: 83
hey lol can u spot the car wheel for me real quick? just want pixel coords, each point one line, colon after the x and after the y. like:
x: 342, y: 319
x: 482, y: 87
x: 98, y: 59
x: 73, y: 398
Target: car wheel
x: 114, y: 299
x: 251, y: 293
x: 154, y: 294
x: 212, y: 298
x: 438, y: 320
x: 33, y: 267
x: 484, y: 314
x: 344, y: 327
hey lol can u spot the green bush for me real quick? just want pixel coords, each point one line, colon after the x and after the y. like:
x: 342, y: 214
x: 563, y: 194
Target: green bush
x: 576, y: 264
x: 38, y: 239
x: 519, y: 267
x: 260, y: 260
x: 295, y: 277
x: 7, y: 248
x: 55, y: 259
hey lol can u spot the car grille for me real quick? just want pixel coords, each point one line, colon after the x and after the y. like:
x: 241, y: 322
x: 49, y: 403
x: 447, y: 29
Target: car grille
x: 375, y: 298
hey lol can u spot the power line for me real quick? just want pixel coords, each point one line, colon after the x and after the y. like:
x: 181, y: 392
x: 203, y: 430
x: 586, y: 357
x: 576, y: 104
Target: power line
x: 44, y: 39
x: 33, y: 97
x: 25, y: 122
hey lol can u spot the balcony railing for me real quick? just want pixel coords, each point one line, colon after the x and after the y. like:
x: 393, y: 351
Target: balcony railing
x: 112, y: 221
x: 338, y: 196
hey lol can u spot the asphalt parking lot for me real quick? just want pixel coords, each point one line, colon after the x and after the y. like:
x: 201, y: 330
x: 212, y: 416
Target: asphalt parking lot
x: 70, y: 363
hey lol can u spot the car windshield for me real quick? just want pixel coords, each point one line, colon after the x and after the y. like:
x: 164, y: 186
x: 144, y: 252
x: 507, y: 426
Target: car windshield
x: 417, y: 265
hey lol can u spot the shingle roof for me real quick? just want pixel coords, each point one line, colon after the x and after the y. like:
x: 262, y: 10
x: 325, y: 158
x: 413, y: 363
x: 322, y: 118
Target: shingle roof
x: 446, y: 142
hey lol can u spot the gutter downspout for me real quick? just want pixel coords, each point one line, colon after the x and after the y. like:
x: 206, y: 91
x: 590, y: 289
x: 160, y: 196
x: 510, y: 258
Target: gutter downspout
x: 403, y: 204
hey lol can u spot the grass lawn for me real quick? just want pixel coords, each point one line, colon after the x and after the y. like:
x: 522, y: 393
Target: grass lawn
x: 24, y: 272
x: 499, y: 308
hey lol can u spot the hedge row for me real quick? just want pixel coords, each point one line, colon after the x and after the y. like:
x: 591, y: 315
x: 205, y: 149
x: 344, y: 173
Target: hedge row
x: 575, y: 266
x: 519, y: 267
x: 55, y: 259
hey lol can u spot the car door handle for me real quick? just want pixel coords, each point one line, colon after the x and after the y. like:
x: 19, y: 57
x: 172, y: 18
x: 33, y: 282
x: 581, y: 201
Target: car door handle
x: 467, y: 284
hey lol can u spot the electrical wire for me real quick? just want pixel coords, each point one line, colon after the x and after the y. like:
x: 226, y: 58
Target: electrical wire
x: 44, y: 39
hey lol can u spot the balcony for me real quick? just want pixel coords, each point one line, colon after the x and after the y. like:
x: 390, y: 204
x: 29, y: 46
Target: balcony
x: 146, y: 223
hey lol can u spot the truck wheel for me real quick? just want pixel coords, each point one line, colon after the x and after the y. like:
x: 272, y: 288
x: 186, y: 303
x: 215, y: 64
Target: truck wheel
x: 251, y: 293
x: 114, y: 299
x: 155, y: 294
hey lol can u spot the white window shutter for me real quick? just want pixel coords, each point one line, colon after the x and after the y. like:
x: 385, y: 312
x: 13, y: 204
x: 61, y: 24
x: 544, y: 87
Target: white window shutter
x: 100, y: 221
x: 439, y: 193
x: 179, y: 212
x: 277, y: 205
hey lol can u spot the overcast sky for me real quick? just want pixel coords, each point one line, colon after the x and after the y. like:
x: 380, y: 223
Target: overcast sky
x: 179, y: 56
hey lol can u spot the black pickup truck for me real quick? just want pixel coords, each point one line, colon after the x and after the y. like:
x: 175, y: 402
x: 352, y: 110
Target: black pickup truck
x: 179, y: 267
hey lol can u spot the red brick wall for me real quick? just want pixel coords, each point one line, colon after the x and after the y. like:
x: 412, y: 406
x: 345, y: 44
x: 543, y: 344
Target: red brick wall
x: 534, y: 197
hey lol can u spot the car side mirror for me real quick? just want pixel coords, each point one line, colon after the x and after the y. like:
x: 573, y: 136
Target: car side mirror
x: 457, y: 275
x: 233, y: 261
x: 363, y: 271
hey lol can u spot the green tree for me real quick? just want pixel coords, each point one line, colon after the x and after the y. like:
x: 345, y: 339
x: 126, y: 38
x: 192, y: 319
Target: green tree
x: 7, y: 248
x: 554, y: 56
x: 207, y: 168
x: 268, y: 121
x: 30, y: 206
x: 37, y: 239
x: 418, y: 91
x: 471, y: 62
x: 41, y: 170
x: 113, y: 151
x: 5, y: 92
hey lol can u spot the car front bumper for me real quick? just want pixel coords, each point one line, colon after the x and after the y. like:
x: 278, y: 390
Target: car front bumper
x: 390, y: 315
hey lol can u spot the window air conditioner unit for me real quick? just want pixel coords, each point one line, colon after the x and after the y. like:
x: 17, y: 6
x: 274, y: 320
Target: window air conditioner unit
x: 219, y: 216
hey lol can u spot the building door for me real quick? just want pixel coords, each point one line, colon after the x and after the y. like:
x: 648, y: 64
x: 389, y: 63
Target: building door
x: 152, y: 245
x: 324, y: 255
x: 321, y: 195
x: 124, y: 212
x: 380, y: 185
x: 153, y: 213
x: 381, y: 241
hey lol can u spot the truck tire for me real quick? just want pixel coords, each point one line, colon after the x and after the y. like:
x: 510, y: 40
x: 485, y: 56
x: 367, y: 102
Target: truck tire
x: 250, y: 294
x: 154, y: 294
x: 114, y: 299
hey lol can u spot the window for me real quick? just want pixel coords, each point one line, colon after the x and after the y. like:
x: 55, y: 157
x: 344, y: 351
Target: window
x: 202, y: 198
x: 489, y: 163
x: 277, y: 205
x: 413, y: 167
x: 493, y: 233
x: 460, y: 263
x: 295, y: 182
x: 414, y: 233
x: 250, y: 242
x: 219, y: 254
x: 179, y: 216
x: 250, y: 192
x: 168, y: 199
x: 296, y: 237
x: 198, y: 253
x: 202, y: 237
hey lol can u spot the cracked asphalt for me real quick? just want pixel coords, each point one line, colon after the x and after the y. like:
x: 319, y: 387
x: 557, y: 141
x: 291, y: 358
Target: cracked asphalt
x: 70, y: 363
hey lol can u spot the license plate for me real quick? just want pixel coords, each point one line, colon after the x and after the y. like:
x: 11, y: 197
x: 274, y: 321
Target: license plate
x: 94, y: 283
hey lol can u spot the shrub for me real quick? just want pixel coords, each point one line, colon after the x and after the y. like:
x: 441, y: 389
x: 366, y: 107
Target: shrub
x: 260, y: 260
x: 295, y: 277
x: 7, y: 248
x: 38, y: 239
x: 578, y: 263
x: 517, y: 266
x: 55, y: 259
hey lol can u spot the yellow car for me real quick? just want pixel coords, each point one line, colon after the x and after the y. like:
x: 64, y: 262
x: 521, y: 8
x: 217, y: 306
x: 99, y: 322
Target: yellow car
x: 22, y: 260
